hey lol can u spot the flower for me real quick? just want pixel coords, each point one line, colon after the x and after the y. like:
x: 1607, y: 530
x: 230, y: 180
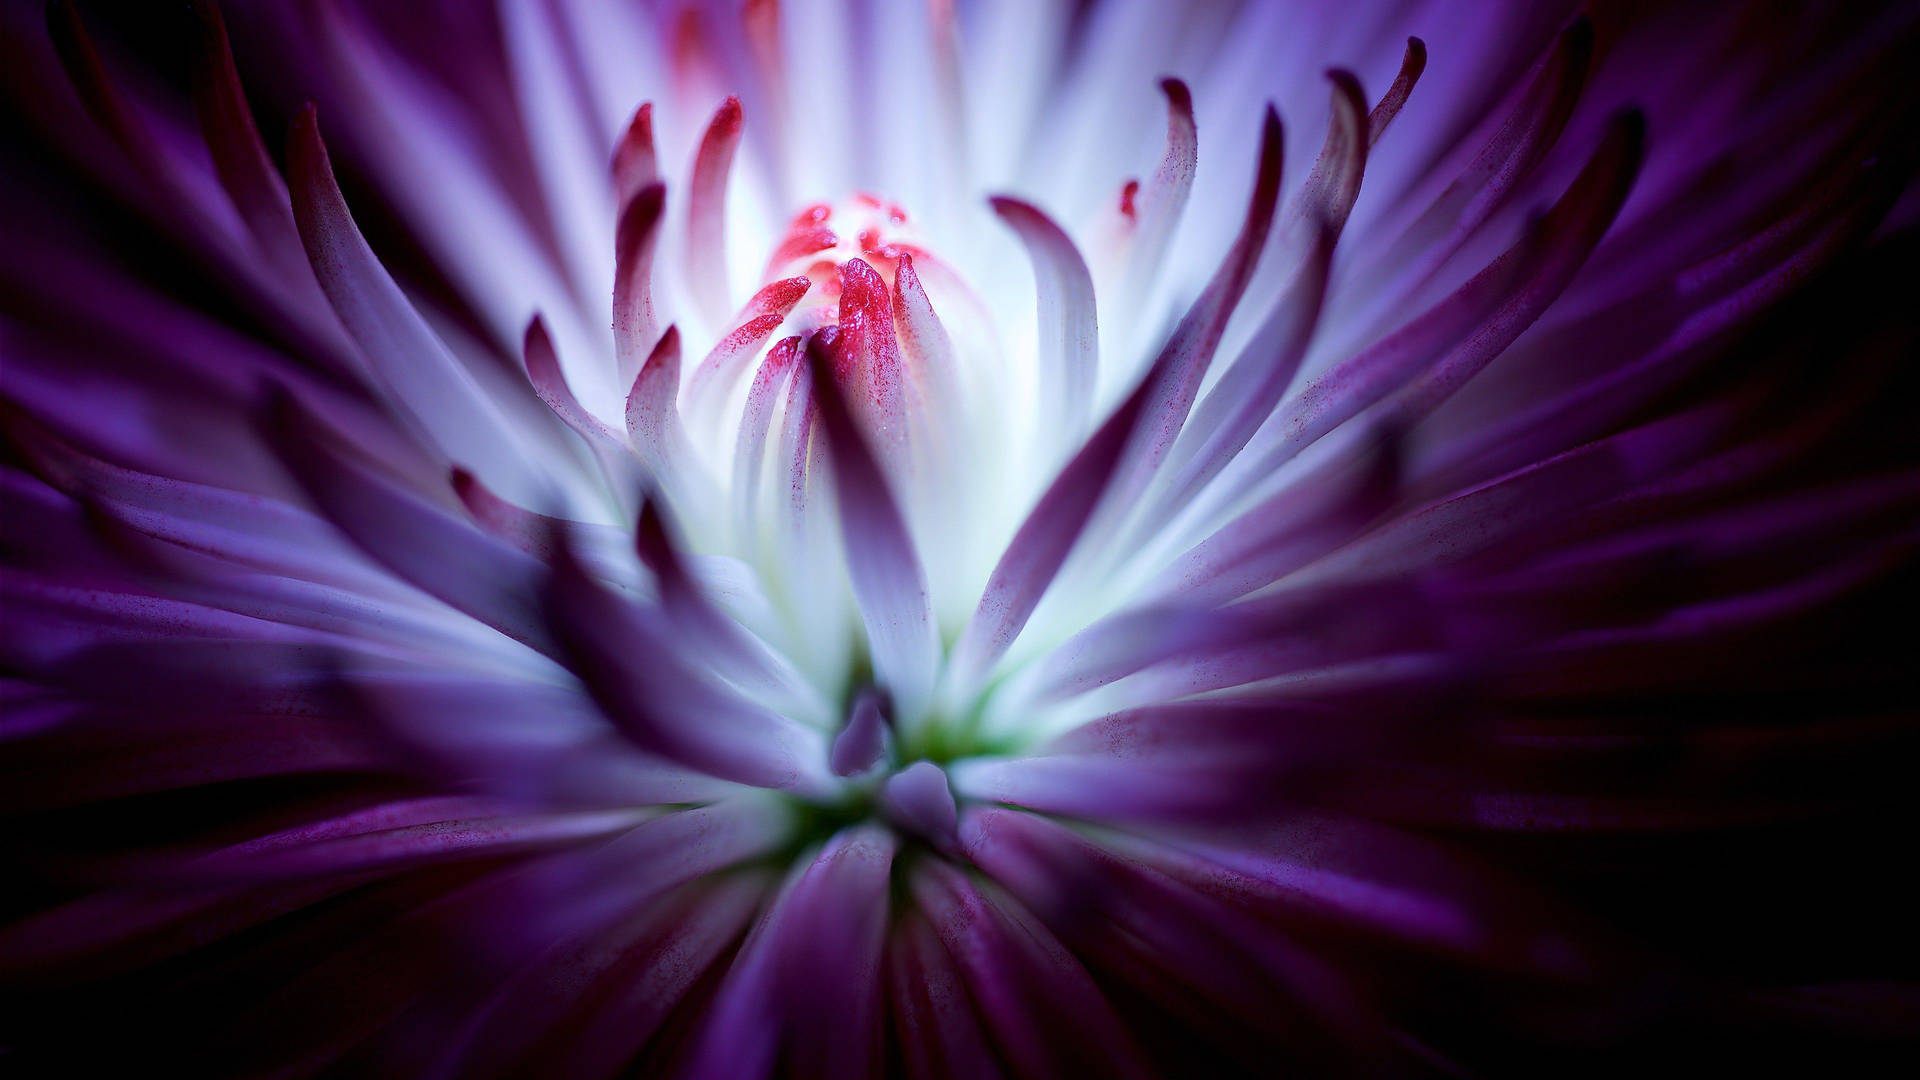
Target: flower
x: 610, y: 554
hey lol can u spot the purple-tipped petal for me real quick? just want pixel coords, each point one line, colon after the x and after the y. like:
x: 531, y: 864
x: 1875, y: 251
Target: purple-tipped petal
x: 1435, y: 353
x: 861, y: 743
x: 918, y: 799
x: 550, y: 383
x: 1334, y: 183
x: 1412, y: 63
x: 1069, y: 355
x: 1160, y: 202
x: 1174, y: 378
x: 421, y: 379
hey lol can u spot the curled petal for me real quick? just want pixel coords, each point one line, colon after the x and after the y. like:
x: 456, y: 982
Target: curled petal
x: 1334, y: 183
x: 1174, y: 379
x: 1157, y: 207
x: 1069, y: 334
x: 707, y: 213
x: 421, y: 378
x: 1412, y: 63
x: 635, y: 240
x: 550, y: 383
x: 636, y: 166
x: 1530, y: 128
x: 1435, y: 353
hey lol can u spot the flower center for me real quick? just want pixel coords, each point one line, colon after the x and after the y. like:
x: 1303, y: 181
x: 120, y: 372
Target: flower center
x: 822, y: 237
x: 912, y: 797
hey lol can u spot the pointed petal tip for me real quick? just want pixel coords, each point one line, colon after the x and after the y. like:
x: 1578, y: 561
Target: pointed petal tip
x: 1273, y: 146
x: 308, y: 164
x: 1347, y: 83
x: 668, y: 346
x: 861, y: 743
x: 535, y: 336
x: 787, y: 291
x: 635, y: 160
x: 919, y: 799
x: 641, y: 212
x: 653, y: 537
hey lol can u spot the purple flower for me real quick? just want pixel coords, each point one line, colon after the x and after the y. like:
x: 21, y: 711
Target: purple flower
x: 943, y: 540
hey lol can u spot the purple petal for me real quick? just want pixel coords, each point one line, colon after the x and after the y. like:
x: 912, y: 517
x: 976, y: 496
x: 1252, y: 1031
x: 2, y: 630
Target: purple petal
x: 1412, y: 63
x: 887, y: 579
x: 744, y: 658
x: 1069, y: 332
x: 918, y: 800
x: 444, y: 557
x: 635, y: 326
x: 421, y: 379
x: 1044, y: 1014
x: 863, y: 740
x: 1164, y: 197
x: 1041, y: 546
x: 667, y: 705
